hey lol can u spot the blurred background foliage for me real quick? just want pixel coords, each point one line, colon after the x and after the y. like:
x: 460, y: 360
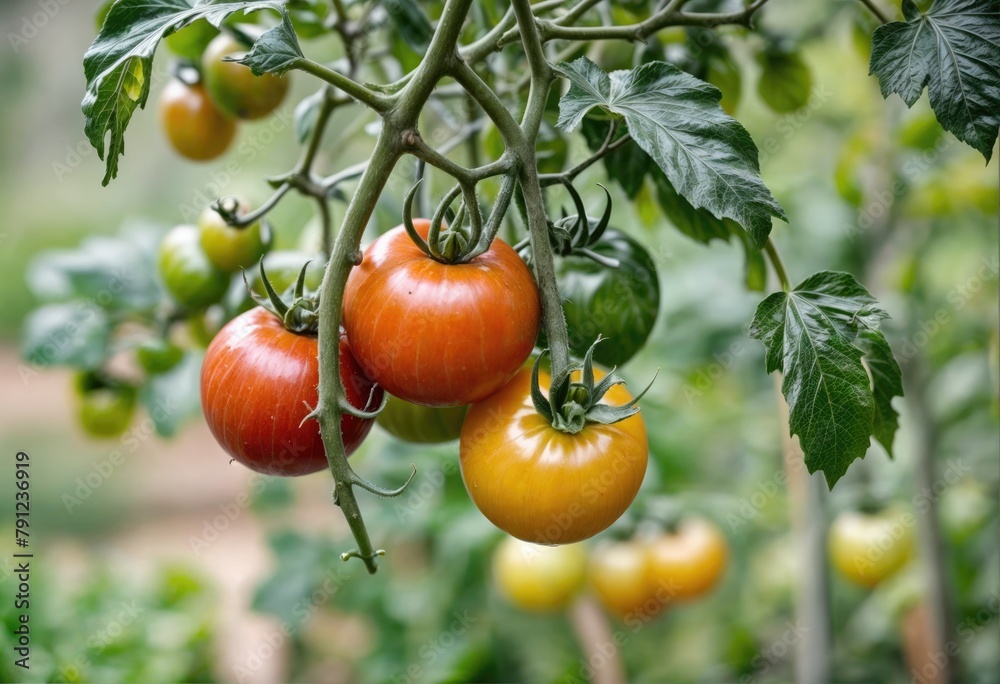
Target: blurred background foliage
x: 229, y: 592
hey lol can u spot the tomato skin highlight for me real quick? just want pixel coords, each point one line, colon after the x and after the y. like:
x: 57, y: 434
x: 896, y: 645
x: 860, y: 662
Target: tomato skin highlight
x: 194, y: 126
x: 539, y: 579
x: 256, y: 382
x: 867, y: 548
x: 542, y: 485
x: 438, y: 334
x: 421, y: 424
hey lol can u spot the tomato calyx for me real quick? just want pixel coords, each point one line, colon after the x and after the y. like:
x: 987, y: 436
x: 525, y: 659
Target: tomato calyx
x: 457, y: 244
x: 570, y: 405
x: 575, y: 234
x: 301, y: 314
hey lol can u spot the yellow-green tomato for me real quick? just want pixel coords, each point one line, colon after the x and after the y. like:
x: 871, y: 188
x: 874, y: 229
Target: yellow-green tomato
x: 866, y: 548
x: 539, y: 578
x: 421, y: 424
x: 104, y: 411
x: 192, y: 280
x: 230, y: 248
x: 233, y: 87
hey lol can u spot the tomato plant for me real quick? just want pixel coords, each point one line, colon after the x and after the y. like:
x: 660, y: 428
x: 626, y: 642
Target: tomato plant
x: 192, y: 123
x: 866, y: 548
x: 158, y: 356
x: 492, y: 107
x: 421, y: 424
x: 257, y: 384
x: 440, y: 334
x: 539, y: 578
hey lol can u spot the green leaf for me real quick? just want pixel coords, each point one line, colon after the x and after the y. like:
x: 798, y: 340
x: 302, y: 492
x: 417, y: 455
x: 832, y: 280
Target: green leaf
x: 817, y: 335
x: 73, y: 334
x: 276, y: 51
x: 118, y: 64
x: 887, y: 382
x: 954, y: 51
x: 697, y: 224
x: 174, y: 397
x: 412, y: 23
x: 785, y: 81
x: 708, y: 156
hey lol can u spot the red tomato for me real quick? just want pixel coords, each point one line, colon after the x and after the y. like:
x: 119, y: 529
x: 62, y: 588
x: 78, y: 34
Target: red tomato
x: 257, y: 384
x: 439, y: 334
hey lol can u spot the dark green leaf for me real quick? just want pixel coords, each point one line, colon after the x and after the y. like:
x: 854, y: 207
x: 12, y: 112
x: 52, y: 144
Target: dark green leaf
x: 276, y: 51
x: 887, y: 382
x: 74, y: 334
x: 816, y: 335
x: 954, y: 51
x: 698, y: 224
x: 118, y: 64
x: 708, y: 156
x: 174, y: 397
x: 785, y: 80
x: 412, y: 23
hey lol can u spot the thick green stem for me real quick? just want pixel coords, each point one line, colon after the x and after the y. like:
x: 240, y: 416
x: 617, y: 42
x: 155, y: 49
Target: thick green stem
x: 531, y: 191
x: 401, y: 114
x: 331, y: 390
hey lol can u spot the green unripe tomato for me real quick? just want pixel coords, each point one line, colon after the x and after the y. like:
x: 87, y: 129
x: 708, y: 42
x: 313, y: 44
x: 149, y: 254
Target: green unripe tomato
x: 104, y: 411
x: 421, y: 424
x: 190, y: 42
x: 158, y: 356
x: 233, y: 86
x: 190, y: 278
x: 229, y: 248
x: 620, y: 304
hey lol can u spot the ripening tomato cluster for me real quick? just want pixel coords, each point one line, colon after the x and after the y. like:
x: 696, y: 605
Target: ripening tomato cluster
x: 200, y: 107
x: 634, y: 579
x: 449, y: 342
